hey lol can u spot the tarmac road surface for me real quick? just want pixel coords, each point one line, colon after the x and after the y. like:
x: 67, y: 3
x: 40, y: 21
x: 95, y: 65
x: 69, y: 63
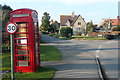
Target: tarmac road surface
x: 78, y: 58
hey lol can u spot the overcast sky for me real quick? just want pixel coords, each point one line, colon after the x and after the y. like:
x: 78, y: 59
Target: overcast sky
x: 93, y: 10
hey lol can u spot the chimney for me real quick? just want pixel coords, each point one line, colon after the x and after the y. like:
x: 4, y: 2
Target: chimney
x: 119, y: 8
x: 118, y: 17
x: 73, y: 15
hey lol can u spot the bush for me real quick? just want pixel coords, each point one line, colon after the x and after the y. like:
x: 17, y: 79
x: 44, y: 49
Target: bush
x: 109, y: 37
x: 79, y: 33
x: 66, y: 32
x: 56, y: 35
x: 5, y: 46
x: 117, y: 28
x: 45, y: 33
x: 51, y: 34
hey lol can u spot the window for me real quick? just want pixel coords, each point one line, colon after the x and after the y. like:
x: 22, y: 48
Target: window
x: 79, y: 23
x: 21, y: 46
x: 20, y: 15
x: 22, y: 41
x: 22, y: 52
x: 23, y: 63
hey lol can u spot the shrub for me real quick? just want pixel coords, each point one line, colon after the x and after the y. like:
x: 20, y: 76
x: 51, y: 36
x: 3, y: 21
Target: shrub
x: 117, y: 28
x: 51, y: 34
x: 45, y: 33
x: 56, y: 35
x: 79, y: 33
x: 109, y: 37
x: 66, y: 32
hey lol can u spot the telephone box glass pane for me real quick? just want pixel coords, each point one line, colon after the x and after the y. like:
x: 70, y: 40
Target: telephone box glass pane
x: 22, y: 30
x: 21, y: 41
x: 36, y: 29
x: 22, y: 24
x: 22, y: 35
x: 21, y: 46
x: 37, y: 58
x: 22, y: 52
x: 23, y: 63
x: 23, y: 57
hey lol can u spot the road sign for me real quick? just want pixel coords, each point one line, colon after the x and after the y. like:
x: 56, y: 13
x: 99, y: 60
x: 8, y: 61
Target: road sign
x: 11, y: 28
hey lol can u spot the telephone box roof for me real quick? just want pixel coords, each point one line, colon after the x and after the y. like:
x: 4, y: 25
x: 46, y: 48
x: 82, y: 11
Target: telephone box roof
x: 24, y: 9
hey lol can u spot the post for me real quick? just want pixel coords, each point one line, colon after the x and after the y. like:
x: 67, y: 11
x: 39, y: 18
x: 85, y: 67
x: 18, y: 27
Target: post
x: 12, y: 55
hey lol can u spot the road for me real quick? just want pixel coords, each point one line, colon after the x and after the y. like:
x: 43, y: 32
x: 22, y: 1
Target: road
x: 108, y: 55
x: 78, y: 57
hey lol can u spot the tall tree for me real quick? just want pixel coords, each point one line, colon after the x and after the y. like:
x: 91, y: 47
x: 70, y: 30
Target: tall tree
x: 106, y: 24
x: 55, y: 26
x: 5, y: 15
x: 90, y: 27
x: 45, y: 26
x: 5, y: 19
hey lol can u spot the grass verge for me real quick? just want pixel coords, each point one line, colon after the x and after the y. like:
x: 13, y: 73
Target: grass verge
x: 65, y: 38
x: 87, y: 38
x: 48, y: 53
x: 83, y: 38
x: 6, y: 61
x: 40, y: 74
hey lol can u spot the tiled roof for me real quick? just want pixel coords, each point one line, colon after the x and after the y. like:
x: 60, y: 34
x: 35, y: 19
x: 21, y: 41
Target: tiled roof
x: 114, y: 21
x: 65, y: 18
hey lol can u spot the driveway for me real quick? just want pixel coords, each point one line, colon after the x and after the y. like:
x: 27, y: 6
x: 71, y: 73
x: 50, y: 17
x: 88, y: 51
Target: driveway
x: 78, y: 58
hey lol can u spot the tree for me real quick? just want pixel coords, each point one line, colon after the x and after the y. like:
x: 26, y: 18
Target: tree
x: 90, y: 27
x: 55, y: 26
x: 5, y: 19
x: 66, y: 32
x: 45, y: 26
x: 5, y: 15
x: 106, y: 24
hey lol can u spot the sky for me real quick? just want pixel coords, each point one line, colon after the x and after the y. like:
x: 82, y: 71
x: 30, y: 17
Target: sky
x: 93, y: 10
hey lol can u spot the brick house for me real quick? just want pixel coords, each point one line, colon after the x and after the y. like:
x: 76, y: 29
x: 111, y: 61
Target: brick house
x: 113, y: 22
x: 76, y: 22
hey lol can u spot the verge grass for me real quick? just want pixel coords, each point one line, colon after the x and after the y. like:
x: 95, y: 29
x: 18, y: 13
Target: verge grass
x: 48, y: 53
x: 39, y: 74
x: 87, y: 38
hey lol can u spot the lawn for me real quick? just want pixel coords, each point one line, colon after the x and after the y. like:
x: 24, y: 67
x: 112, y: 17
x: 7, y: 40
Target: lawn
x: 87, y: 38
x: 6, y: 58
x: 48, y: 53
x: 83, y: 38
x: 40, y: 74
x: 65, y: 38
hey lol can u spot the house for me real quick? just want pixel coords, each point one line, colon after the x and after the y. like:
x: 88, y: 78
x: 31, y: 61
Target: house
x: 111, y: 23
x: 115, y: 22
x: 76, y: 22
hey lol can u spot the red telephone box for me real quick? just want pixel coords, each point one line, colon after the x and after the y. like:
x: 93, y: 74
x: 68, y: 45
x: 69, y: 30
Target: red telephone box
x: 26, y: 40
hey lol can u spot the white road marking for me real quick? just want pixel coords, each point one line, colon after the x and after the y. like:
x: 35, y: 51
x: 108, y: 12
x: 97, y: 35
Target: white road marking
x: 100, y: 47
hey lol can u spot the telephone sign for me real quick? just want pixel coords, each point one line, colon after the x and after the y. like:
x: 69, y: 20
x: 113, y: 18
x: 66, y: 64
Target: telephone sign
x: 11, y: 28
